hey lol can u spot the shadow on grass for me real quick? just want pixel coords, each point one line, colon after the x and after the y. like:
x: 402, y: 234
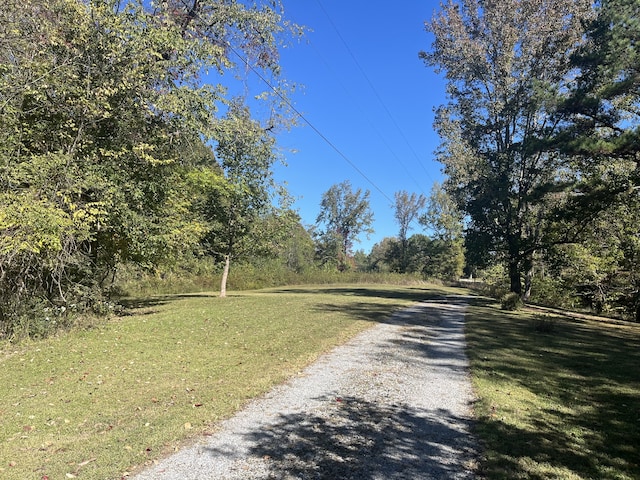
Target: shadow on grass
x: 586, y: 385
x: 134, y: 305
x: 374, y: 312
x: 412, y: 293
x: 364, y: 310
x: 353, y: 437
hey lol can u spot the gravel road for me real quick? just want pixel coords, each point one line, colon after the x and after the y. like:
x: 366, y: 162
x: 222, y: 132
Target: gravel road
x: 393, y: 403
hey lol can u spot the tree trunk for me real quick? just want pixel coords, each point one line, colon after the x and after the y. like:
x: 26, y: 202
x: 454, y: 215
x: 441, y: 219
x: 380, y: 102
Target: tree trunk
x: 514, y: 260
x: 528, y: 277
x: 528, y: 281
x: 514, y: 277
x: 225, y: 275
x: 403, y: 255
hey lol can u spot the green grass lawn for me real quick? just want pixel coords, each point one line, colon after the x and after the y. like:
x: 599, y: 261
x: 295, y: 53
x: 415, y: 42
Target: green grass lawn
x: 558, y: 404
x: 98, y: 403
x: 101, y: 402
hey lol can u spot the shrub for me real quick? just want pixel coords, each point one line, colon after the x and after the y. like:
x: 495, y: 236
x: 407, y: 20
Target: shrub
x: 553, y: 292
x: 511, y: 301
x: 35, y: 318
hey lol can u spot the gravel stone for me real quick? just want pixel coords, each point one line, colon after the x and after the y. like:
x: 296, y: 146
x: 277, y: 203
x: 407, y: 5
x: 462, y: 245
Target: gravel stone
x: 393, y: 403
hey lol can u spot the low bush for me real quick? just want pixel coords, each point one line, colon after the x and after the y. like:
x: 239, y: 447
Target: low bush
x: 203, y: 275
x: 511, y: 301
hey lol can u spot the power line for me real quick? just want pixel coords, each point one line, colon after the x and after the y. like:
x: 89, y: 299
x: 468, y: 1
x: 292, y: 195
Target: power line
x: 371, y: 125
x: 375, y: 91
x: 317, y: 131
x: 307, y: 121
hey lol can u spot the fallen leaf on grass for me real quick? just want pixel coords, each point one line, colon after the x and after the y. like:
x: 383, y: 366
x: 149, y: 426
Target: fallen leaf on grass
x: 82, y: 464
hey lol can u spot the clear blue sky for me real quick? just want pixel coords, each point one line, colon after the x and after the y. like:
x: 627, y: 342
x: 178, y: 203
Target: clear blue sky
x: 368, y: 93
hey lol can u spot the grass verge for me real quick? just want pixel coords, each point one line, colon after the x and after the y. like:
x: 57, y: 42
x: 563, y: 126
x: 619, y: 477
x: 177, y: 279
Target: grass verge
x: 96, y: 403
x: 559, y: 402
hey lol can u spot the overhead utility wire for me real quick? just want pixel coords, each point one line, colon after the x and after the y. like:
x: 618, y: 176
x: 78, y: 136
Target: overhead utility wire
x: 374, y: 89
x: 373, y: 127
x: 307, y: 121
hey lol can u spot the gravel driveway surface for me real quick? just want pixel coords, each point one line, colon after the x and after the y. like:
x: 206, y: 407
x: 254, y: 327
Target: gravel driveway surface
x: 393, y: 403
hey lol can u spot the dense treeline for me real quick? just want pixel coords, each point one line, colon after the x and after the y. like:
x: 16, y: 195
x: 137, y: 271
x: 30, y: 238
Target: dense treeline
x: 115, y: 150
x: 540, y: 144
x: 125, y: 148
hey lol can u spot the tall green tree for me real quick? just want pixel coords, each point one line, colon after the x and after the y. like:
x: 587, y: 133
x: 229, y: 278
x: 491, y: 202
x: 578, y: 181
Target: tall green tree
x: 602, y: 272
x: 406, y: 209
x: 591, y: 253
x: 445, y: 220
x: 385, y: 256
x: 345, y: 215
x: 102, y: 107
x: 442, y: 216
x: 328, y: 250
x: 435, y: 257
x: 600, y: 118
x: 604, y: 121
x: 244, y: 220
x: 506, y: 64
x: 297, y: 252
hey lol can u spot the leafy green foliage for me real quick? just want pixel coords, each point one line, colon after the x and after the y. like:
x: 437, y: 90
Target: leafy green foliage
x: 429, y: 258
x: 600, y: 273
x: 407, y: 208
x: 442, y: 215
x: 345, y: 214
x: 604, y: 121
x: 511, y: 301
x: 506, y: 65
x: 243, y: 221
x: 297, y: 251
x: 540, y: 144
x: 385, y: 256
x: 104, y: 118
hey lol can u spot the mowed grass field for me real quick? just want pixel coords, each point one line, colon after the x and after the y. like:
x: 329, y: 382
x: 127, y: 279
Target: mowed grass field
x: 557, y: 402
x: 99, y: 403
x: 559, y: 396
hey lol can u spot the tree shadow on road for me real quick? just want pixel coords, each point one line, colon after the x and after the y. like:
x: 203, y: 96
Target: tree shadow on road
x: 393, y: 313
x: 416, y: 294
x: 352, y: 438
